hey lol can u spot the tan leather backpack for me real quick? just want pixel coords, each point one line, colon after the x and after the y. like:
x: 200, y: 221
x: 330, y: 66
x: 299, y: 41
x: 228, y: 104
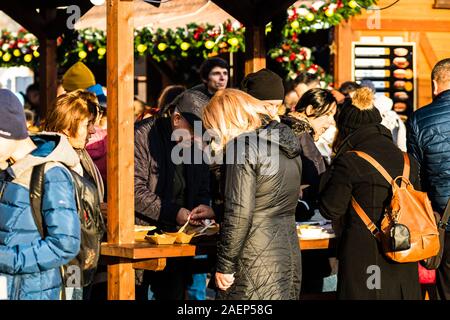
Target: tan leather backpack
x: 409, y: 230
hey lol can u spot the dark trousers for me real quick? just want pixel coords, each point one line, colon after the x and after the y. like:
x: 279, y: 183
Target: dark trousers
x: 443, y: 272
x: 168, y: 284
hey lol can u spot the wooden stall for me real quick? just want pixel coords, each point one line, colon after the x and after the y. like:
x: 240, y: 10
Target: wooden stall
x: 415, y: 21
x: 126, y: 254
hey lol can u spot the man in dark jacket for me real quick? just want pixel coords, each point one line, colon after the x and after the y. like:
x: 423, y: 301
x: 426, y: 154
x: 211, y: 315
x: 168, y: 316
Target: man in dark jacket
x: 167, y: 188
x: 214, y: 74
x: 429, y: 143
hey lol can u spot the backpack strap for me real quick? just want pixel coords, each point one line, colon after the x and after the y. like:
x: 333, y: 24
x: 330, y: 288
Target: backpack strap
x: 445, y: 216
x: 36, y: 191
x: 367, y: 221
x: 375, y: 164
x: 406, y: 168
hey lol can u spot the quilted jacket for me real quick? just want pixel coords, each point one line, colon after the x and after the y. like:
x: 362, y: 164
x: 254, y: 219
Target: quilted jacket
x: 30, y: 263
x: 258, y: 240
x: 429, y: 142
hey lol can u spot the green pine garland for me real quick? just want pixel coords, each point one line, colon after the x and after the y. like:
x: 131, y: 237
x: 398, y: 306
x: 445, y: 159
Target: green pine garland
x: 195, y: 40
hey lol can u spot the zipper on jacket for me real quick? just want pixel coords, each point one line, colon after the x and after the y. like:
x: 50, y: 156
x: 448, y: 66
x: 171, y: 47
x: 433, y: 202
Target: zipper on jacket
x: 2, y: 189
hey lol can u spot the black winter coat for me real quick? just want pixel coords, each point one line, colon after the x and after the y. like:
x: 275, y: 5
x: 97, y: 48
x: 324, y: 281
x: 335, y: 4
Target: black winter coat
x: 358, y: 250
x: 258, y: 240
x: 154, y: 174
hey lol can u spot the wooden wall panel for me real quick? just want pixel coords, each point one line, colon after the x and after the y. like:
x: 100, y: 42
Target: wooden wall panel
x: 407, y: 9
x: 415, y: 21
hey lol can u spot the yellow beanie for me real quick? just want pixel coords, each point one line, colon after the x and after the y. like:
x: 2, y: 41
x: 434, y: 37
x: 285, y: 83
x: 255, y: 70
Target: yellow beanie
x: 78, y: 77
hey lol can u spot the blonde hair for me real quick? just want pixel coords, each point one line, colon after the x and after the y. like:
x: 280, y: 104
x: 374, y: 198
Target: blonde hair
x: 69, y: 110
x: 232, y: 112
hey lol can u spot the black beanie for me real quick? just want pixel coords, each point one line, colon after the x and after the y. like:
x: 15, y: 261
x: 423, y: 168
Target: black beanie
x: 358, y: 111
x: 263, y: 85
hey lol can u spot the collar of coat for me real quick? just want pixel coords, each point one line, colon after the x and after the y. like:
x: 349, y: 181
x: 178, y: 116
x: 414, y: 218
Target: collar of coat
x: 444, y: 95
x: 361, y: 135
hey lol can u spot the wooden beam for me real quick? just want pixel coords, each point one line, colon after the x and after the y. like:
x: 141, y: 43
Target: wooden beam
x: 48, y: 73
x: 121, y: 281
x: 342, y: 58
x: 48, y: 69
x: 120, y: 84
x: 120, y: 70
x: 405, y: 25
x: 152, y: 264
x: 427, y: 48
x: 255, y: 51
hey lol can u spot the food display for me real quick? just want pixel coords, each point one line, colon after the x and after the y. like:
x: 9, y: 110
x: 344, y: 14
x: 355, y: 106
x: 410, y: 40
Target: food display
x: 161, y: 238
x: 181, y: 237
x: 309, y: 231
x: 391, y: 68
x: 399, y: 85
x: 141, y: 231
x: 400, y: 74
x: 156, y: 235
x: 400, y: 62
x: 400, y: 107
x: 401, y: 52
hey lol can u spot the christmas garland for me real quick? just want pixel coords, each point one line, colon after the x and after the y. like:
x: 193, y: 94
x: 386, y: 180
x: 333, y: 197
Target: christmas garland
x: 308, y: 17
x: 89, y: 45
x: 312, y: 15
x: 193, y: 40
x: 18, y: 49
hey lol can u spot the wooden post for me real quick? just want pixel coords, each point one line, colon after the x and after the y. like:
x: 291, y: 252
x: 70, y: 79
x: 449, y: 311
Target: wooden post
x: 47, y: 75
x: 342, y: 58
x: 120, y: 70
x: 255, y: 51
x: 47, y: 65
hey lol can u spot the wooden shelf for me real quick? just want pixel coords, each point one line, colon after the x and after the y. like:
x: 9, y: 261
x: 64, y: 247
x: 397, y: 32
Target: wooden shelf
x: 145, y: 250
x: 316, y: 244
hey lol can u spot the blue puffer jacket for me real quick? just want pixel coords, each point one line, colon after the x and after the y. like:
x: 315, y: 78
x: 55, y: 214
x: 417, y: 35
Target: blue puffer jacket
x: 429, y: 143
x: 31, y: 264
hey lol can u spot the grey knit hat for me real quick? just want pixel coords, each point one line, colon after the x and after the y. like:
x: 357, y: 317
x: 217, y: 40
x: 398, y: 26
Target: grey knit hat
x: 12, y: 117
x: 190, y: 105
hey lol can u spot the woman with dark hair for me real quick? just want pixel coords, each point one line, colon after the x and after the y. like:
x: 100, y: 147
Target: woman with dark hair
x: 313, y: 114
x: 359, y: 129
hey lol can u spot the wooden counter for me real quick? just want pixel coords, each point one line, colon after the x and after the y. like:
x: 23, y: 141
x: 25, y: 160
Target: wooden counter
x: 148, y: 256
